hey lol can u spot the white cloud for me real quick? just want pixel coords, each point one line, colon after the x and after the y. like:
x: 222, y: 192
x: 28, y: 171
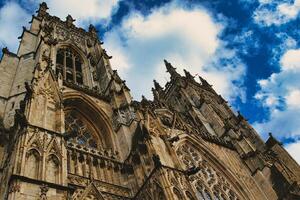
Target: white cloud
x: 280, y: 93
x: 188, y: 38
x: 85, y: 12
x: 12, y: 18
x: 276, y: 12
x: 293, y: 99
x: 248, y: 43
x: 291, y: 60
x: 294, y: 149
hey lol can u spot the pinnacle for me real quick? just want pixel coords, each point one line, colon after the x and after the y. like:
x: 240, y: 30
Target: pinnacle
x: 157, y: 85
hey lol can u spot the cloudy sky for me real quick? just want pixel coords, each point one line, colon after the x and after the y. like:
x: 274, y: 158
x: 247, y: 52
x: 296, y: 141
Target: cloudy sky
x: 248, y: 49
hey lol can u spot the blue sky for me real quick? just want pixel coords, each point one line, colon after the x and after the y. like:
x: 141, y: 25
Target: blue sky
x: 248, y: 49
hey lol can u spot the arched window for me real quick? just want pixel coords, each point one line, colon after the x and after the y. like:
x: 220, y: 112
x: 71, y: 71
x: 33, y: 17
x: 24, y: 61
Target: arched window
x: 32, y: 164
x: 177, y: 194
x: 219, y: 196
x: 202, y: 193
x: 52, y: 169
x: 69, y: 64
x: 189, y: 195
x: 212, y: 184
x: 85, y: 133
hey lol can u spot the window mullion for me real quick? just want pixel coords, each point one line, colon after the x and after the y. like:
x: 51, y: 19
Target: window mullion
x: 74, y: 70
x: 65, y: 65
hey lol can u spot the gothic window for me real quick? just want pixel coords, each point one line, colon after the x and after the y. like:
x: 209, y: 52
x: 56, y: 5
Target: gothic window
x: 209, y: 183
x: 189, y: 156
x: 202, y: 193
x: 85, y: 133
x: 219, y: 196
x: 189, y: 195
x: 32, y: 164
x: 69, y: 64
x: 52, y: 169
x: 177, y: 195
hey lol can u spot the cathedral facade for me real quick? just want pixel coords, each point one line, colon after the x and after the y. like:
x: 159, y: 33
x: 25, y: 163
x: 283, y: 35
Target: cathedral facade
x: 69, y: 130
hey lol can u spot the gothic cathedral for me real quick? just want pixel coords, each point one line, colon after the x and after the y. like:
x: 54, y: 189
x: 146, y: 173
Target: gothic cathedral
x: 69, y: 130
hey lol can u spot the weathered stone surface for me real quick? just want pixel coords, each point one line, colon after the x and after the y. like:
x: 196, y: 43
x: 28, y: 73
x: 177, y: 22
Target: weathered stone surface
x: 70, y: 130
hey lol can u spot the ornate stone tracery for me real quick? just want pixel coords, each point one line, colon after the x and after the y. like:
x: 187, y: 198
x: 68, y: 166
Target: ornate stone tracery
x: 79, y: 135
x: 85, y: 133
x: 208, y: 182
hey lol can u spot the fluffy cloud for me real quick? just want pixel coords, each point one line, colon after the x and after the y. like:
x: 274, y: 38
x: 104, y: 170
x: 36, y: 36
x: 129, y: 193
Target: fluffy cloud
x: 291, y: 60
x: 188, y: 38
x: 85, y: 12
x: 281, y: 93
x: 294, y: 149
x: 276, y: 12
x: 12, y: 18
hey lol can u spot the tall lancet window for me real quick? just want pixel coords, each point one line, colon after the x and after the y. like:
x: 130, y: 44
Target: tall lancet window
x: 69, y: 65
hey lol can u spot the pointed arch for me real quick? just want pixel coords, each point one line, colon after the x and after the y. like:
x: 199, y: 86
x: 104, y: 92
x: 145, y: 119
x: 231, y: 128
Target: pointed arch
x: 52, y: 172
x: 61, y: 62
x: 91, y: 192
x: 211, y: 168
x: 177, y: 194
x: 97, y: 118
x: 53, y: 148
x: 33, y: 163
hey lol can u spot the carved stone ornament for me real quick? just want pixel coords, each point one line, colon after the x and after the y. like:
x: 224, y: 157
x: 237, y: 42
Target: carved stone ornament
x: 44, y: 189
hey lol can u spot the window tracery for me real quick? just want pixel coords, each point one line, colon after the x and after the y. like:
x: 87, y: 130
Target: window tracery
x: 177, y: 195
x: 85, y: 133
x: 69, y: 65
x: 209, y: 183
x: 189, y: 195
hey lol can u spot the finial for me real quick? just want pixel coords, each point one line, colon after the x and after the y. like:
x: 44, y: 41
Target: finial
x: 92, y: 29
x: 5, y: 50
x: 204, y: 82
x: 70, y: 20
x: 155, y: 94
x: 188, y: 75
x: 42, y: 10
x: 171, y: 70
x: 270, y: 134
x: 157, y: 85
x: 144, y: 98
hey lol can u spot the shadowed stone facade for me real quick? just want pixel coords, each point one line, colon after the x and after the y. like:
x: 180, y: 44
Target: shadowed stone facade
x: 69, y: 129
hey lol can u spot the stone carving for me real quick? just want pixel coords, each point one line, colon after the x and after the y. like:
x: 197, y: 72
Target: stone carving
x: 123, y: 117
x: 44, y: 190
x: 186, y: 143
x: 208, y: 181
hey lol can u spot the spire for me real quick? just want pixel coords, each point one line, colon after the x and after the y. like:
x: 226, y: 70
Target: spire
x: 204, y: 82
x: 171, y: 70
x: 42, y: 10
x: 155, y: 94
x: 157, y: 86
x: 188, y: 75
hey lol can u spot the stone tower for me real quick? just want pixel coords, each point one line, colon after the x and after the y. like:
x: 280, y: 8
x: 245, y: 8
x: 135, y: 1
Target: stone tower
x: 69, y: 129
